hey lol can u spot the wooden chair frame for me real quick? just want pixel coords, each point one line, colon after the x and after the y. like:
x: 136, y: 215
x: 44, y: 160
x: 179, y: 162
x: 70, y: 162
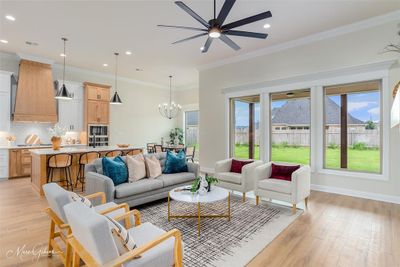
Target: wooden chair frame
x: 76, y: 251
x: 63, y: 227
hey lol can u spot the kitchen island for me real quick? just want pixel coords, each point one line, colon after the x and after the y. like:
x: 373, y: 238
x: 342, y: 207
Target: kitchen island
x: 40, y: 157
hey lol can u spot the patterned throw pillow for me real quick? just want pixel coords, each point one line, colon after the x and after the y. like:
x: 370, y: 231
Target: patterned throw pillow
x: 115, y: 169
x: 123, y: 239
x: 153, y: 167
x: 136, y: 167
x: 75, y: 197
x: 176, y: 162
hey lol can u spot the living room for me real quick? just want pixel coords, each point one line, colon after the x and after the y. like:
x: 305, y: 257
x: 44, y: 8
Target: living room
x: 263, y: 137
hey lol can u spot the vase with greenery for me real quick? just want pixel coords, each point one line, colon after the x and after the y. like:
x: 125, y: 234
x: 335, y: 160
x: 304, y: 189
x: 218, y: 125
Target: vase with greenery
x: 210, y: 181
x: 176, y: 136
x: 57, y: 132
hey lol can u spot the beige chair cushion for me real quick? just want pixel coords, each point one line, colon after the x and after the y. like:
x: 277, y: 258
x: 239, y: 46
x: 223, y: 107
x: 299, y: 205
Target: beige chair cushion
x: 230, y: 177
x: 136, y: 167
x: 153, y: 167
x: 276, y: 185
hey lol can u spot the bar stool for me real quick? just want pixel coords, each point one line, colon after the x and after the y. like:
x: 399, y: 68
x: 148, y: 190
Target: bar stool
x: 132, y: 152
x: 61, y: 162
x: 114, y: 153
x: 84, y: 159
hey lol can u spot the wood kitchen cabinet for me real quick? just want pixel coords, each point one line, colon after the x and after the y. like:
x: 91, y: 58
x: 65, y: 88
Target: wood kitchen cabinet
x: 97, y: 103
x: 19, y: 163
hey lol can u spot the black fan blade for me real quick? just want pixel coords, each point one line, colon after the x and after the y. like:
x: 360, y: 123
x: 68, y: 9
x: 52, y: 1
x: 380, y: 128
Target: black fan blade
x: 226, y: 8
x: 192, y: 13
x: 248, y: 20
x: 246, y: 34
x: 190, y: 38
x: 182, y: 27
x: 207, y: 45
x: 229, y: 42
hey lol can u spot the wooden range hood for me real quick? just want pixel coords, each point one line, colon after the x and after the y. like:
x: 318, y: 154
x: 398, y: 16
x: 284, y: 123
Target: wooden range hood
x: 35, y: 100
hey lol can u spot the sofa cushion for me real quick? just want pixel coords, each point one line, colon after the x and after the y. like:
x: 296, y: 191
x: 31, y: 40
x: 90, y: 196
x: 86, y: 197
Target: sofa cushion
x: 153, y: 167
x: 115, y: 169
x: 237, y: 165
x: 176, y: 162
x: 160, y: 255
x: 283, y: 172
x: 138, y: 187
x: 230, y: 177
x: 276, y: 185
x: 136, y: 167
x: 176, y: 178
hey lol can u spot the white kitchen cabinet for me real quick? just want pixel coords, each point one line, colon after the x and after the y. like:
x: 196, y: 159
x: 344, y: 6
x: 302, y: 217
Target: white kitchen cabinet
x: 5, y: 100
x: 70, y: 112
x: 4, y: 163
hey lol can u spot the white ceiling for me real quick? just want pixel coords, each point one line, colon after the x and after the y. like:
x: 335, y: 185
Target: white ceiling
x: 96, y: 29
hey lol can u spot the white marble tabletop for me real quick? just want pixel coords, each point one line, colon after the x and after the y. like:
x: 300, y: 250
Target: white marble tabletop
x: 78, y: 150
x: 216, y: 194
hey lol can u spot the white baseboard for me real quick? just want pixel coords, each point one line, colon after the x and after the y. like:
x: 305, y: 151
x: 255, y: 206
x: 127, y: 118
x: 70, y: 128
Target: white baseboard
x: 355, y: 193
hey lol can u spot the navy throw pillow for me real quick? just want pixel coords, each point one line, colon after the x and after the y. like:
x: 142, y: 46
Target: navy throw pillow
x: 115, y: 169
x: 175, y: 162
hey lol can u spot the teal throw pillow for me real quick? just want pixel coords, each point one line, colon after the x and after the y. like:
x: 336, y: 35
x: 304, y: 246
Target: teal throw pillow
x: 175, y: 162
x: 115, y: 169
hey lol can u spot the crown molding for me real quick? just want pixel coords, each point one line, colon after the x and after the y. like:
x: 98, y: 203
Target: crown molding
x: 357, y: 26
x: 35, y: 58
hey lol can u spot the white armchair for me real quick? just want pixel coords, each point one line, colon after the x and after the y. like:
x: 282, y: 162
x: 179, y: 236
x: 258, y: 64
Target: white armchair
x: 92, y: 241
x: 293, y: 191
x: 242, y: 182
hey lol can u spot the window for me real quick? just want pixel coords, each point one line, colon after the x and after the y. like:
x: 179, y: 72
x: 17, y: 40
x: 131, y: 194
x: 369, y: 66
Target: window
x: 192, y: 130
x: 292, y: 109
x: 352, y: 118
x: 244, y: 129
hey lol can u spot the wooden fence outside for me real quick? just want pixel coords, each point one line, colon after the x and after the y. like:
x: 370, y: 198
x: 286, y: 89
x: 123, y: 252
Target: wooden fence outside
x: 371, y: 138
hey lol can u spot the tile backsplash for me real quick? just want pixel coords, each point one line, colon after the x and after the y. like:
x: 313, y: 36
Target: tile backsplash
x: 22, y: 130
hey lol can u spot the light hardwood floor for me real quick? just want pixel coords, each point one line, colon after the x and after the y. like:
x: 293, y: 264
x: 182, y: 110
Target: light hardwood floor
x: 335, y: 231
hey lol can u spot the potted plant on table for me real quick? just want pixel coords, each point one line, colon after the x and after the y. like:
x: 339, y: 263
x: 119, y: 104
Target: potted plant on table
x: 57, y: 132
x: 210, y: 180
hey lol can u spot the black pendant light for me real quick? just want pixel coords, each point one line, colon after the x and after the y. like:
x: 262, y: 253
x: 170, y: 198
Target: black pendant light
x: 63, y: 92
x: 115, y: 99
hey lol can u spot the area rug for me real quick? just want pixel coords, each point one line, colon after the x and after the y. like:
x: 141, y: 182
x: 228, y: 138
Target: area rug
x: 222, y: 242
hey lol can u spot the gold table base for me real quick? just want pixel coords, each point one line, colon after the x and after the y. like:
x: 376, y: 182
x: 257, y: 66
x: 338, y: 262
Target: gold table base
x: 198, y: 215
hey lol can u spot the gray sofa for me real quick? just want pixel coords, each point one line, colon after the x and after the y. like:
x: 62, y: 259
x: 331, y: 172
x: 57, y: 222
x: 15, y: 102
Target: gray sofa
x: 143, y: 191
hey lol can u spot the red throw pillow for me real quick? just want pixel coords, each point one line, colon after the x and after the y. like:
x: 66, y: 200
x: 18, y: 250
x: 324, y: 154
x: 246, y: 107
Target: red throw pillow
x: 237, y: 165
x: 283, y: 172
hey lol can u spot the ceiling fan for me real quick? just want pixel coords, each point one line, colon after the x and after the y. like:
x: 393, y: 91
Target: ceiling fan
x: 215, y: 27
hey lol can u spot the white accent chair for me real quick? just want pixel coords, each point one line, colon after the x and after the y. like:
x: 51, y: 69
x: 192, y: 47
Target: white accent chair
x: 93, y: 243
x: 242, y: 182
x: 57, y: 197
x: 293, y: 191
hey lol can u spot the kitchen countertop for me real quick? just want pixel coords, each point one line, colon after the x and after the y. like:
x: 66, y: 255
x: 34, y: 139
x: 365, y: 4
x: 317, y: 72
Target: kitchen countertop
x: 78, y: 150
x: 37, y: 146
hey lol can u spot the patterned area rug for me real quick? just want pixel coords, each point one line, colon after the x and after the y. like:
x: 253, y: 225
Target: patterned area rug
x: 222, y: 242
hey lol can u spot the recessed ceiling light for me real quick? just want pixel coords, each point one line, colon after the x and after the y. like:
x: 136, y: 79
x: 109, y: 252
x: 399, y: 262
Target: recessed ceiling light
x: 63, y: 55
x: 202, y: 48
x: 267, y: 26
x: 9, y: 17
x: 128, y: 52
x: 105, y: 65
x: 139, y: 69
x: 4, y: 41
x: 31, y: 43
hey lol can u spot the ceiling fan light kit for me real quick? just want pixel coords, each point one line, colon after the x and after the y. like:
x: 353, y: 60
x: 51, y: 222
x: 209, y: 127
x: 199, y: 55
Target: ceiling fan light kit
x: 215, y: 28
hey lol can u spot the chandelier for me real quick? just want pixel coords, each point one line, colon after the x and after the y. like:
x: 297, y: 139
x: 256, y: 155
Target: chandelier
x: 172, y: 109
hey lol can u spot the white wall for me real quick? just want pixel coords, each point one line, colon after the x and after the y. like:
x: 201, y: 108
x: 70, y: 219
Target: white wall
x: 136, y: 122
x: 349, y: 49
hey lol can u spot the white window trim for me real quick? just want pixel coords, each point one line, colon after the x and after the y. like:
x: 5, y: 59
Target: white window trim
x: 185, y: 108
x: 317, y: 134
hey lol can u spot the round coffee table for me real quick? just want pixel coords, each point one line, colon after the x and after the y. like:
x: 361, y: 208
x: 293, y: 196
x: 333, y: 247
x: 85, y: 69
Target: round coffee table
x: 216, y: 194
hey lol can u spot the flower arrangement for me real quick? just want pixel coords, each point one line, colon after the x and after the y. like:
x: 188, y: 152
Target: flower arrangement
x: 57, y: 130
